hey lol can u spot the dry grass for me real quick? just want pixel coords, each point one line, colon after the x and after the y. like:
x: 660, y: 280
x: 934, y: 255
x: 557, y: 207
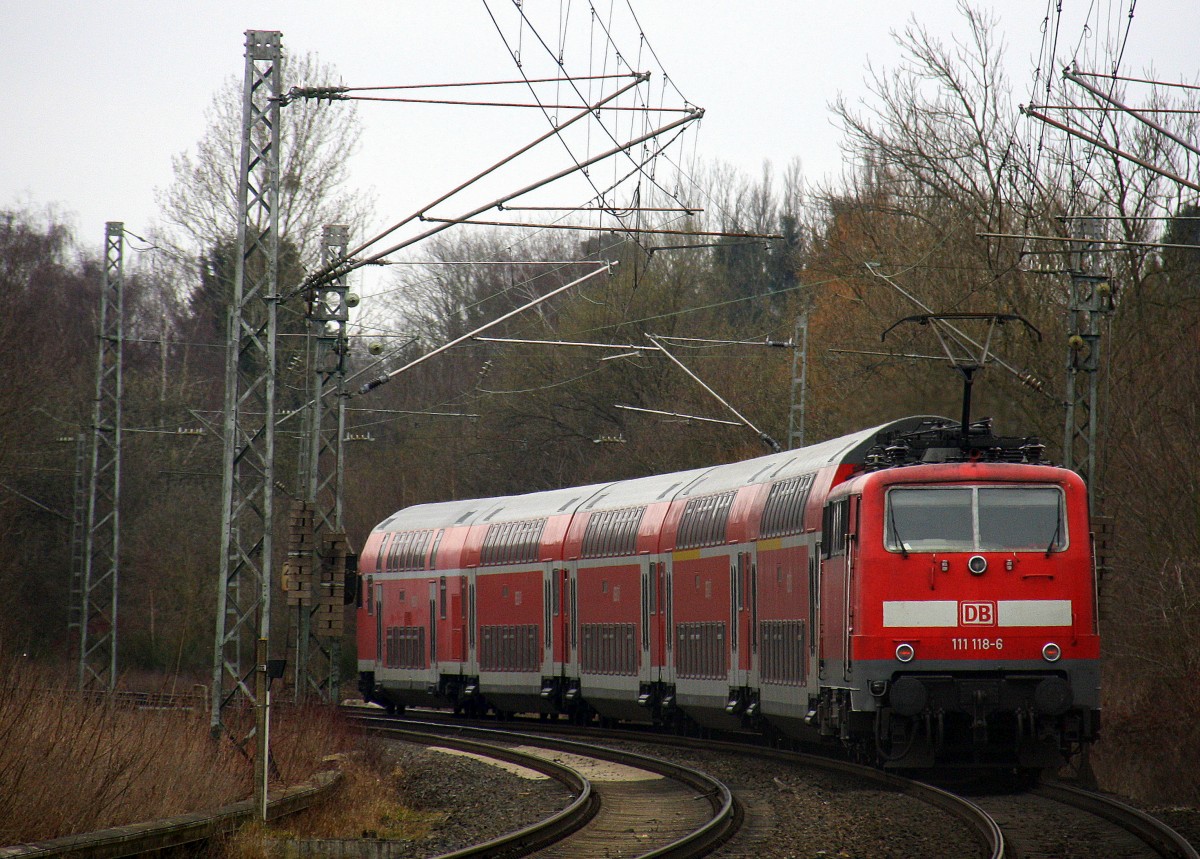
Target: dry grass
x: 72, y: 763
x: 365, y: 803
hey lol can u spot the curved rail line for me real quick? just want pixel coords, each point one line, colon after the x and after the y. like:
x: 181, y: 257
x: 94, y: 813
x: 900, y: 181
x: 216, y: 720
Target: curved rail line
x: 524, y: 841
x: 1160, y: 837
x: 985, y: 831
x: 633, y: 811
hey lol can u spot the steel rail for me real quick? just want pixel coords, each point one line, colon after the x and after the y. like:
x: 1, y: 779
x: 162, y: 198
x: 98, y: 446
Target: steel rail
x: 983, y: 829
x: 1154, y: 832
x: 530, y: 838
x: 726, y: 815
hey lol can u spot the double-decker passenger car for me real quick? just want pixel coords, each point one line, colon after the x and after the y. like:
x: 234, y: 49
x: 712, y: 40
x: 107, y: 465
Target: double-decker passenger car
x: 925, y: 595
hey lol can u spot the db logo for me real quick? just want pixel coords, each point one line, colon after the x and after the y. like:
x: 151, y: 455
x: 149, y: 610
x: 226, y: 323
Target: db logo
x: 977, y: 613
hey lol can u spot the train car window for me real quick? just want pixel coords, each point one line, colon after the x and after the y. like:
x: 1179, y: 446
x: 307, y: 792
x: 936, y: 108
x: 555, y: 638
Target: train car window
x: 390, y: 564
x: 513, y: 542
x: 975, y: 519
x: 574, y: 614
x: 370, y: 602
x: 741, y: 583
x: 704, y: 520
x: 471, y: 615
x: 380, y: 552
x: 442, y: 597
x: 784, y: 511
x: 437, y: 542
x: 835, y: 520
x: 1021, y: 518
x: 612, y: 532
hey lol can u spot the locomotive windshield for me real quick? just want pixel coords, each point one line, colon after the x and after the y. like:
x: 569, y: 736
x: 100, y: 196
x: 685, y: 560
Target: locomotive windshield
x: 975, y: 519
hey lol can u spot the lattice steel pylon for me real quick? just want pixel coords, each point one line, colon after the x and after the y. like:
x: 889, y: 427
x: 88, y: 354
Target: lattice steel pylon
x: 797, y: 410
x: 1089, y: 302
x: 102, y: 541
x: 79, y: 521
x: 318, y: 634
x: 244, y: 586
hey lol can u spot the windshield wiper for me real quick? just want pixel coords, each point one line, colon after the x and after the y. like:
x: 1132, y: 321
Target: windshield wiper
x: 896, y: 531
x: 1054, y: 536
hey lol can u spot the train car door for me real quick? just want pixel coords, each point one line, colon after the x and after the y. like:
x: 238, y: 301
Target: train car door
x: 750, y: 580
x: 378, y: 598
x: 647, y: 619
x: 668, y: 669
x: 658, y: 598
x: 433, y: 625
x: 572, y: 621
x: 851, y: 571
x: 816, y: 622
x: 736, y: 602
x: 562, y: 619
x: 472, y: 655
x: 549, y: 611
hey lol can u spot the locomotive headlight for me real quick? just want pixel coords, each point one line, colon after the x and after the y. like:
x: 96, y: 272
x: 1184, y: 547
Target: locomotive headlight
x: 1051, y: 652
x: 905, y: 652
x: 977, y: 565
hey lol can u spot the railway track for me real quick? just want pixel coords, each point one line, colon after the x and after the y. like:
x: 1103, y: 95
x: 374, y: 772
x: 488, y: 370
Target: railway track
x: 1066, y: 822
x: 982, y: 836
x: 636, y: 805
x: 1051, y: 820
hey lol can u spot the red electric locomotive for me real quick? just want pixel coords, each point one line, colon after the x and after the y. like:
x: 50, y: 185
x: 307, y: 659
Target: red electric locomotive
x: 924, y: 595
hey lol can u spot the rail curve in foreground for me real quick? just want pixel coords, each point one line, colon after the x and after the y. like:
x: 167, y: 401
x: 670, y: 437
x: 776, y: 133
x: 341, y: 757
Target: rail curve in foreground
x: 648, y: 807
x: 1157, y: 836
x: 1053, y: 819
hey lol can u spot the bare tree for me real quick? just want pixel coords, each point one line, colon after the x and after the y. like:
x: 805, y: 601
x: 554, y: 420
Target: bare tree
x: 199, y: 208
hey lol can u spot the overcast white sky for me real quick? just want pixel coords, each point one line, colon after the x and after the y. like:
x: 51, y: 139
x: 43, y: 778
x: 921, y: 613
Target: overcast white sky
x: 101, y: 95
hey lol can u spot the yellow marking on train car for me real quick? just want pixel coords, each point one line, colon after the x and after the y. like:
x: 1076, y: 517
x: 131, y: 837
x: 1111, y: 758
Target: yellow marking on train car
x: 770, y: 545
x: 685, y: 555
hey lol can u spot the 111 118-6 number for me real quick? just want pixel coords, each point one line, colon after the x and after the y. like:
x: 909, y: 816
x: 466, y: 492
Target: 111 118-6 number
x: 977, y: 643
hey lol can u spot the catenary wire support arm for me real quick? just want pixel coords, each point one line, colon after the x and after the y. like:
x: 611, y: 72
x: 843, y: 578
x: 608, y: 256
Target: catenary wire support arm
x: 593, y: 229
x: 774, y: 446
x: 1106, y: 244
x: 621, y: 347
x: 387, y: 377
x: 350, y: 263
x: 1108, y: 147
x: 681, y: 415
x: 1107, y: 97
x: 574, y: 168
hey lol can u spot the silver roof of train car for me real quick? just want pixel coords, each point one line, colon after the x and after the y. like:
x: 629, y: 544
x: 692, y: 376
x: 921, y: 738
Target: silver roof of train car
x: 647, y: 490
